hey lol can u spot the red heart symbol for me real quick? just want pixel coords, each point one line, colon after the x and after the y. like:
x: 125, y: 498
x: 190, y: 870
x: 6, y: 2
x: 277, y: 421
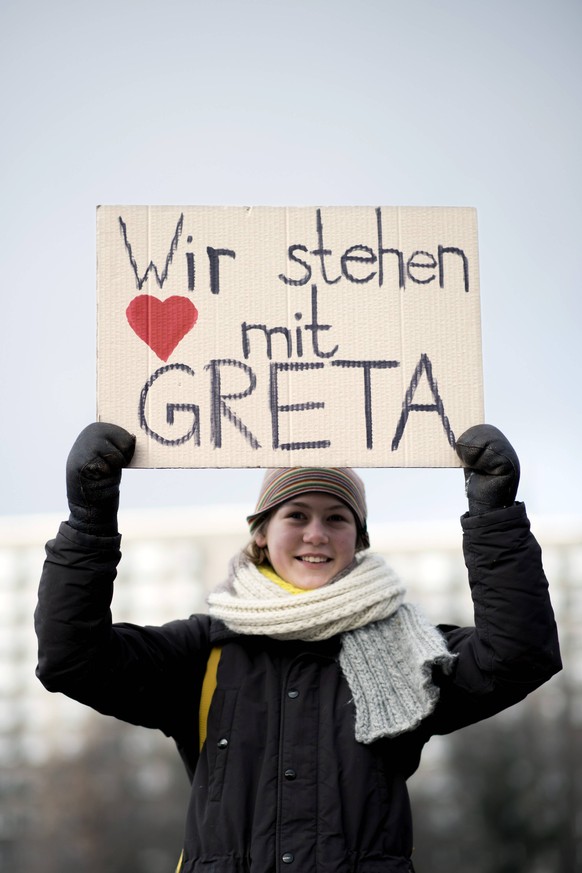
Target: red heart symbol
x: 161, y: 323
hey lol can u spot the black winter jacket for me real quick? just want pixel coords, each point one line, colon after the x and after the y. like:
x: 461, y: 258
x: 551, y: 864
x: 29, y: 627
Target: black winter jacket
x: 281, y: 784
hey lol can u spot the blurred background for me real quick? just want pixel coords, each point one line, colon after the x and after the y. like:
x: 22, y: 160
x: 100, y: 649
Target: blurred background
x: 79, y: 791
x: 224, y: 102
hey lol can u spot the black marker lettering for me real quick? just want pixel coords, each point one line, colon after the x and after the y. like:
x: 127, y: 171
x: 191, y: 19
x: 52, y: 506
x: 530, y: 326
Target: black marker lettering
x: 268, y: 332
x: 191, y: 270
x: 213, y: 259
x: 423, y: 366
x: 367, y: 367
x: 219, y: 409
x: 171, y: 409
x: 348, y: 257
x: 292, y: 257
x: 160, y: 277
x: 450, y: 250
x: 298, y: 337
x: 321, y: 251
x: 314, y: 327
x: 426, y: 261
x: 292, y: 407
x: 382, y: 251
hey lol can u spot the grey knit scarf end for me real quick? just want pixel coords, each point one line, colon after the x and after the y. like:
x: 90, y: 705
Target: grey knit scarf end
x: 389, y: 668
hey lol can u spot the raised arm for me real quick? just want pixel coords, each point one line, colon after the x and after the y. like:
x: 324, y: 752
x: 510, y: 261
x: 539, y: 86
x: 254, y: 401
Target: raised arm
x: 513, y: 647
x: 146, y: 675
x: 73, y: 619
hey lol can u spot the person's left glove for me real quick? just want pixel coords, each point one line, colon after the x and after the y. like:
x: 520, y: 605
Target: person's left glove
x: 94, y: 467
x: 491, y: 468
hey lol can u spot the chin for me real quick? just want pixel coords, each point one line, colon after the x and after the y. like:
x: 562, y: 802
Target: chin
x: 310, y: 584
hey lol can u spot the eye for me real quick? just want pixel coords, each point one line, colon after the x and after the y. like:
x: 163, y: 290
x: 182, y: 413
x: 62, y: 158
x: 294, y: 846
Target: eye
x: 338, y: 517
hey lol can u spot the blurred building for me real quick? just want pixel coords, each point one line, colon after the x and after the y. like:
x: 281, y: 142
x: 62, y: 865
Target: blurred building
x: 172, y: 558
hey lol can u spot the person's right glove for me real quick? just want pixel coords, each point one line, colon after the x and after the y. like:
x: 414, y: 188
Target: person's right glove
x: 94, y: 470
x: 491, y: 468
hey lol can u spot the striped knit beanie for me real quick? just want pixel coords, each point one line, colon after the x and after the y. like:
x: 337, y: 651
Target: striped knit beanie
x: 283, y: 483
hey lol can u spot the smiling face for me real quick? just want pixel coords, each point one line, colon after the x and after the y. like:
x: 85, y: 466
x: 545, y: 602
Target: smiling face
x: 310, y: 539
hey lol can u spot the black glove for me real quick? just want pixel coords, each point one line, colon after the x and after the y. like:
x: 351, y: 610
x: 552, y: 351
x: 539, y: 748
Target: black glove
x: 93, y: 475
x: 491, y: 468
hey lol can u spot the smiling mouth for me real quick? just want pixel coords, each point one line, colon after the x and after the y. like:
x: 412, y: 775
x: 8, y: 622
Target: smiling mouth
x: 313, y: 559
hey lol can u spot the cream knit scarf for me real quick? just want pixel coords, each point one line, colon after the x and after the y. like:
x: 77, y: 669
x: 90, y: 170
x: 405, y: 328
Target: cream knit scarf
x: 388, y: 648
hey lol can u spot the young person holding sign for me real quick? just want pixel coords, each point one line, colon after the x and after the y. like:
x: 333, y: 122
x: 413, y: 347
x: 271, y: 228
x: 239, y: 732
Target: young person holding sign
x: 300, y: 705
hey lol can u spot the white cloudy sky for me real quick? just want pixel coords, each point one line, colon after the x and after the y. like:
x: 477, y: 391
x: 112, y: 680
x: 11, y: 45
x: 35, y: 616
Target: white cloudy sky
x: 455, y: 102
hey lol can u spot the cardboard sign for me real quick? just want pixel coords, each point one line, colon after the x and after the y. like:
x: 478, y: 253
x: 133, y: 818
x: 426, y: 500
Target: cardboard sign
x: 287, y: 336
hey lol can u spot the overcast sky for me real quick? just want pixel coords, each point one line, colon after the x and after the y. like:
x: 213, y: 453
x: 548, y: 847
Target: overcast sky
x: 413, y: 102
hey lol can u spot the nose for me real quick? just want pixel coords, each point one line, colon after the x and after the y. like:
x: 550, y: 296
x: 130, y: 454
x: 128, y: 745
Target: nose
x: 315, y: 532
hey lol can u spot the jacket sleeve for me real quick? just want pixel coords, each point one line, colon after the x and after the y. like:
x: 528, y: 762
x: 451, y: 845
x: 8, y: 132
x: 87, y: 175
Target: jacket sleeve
x: 513, y: 647
x: 150, y: 676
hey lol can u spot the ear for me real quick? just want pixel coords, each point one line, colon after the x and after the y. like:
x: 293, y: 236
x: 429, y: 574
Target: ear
x: 260, y: 539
